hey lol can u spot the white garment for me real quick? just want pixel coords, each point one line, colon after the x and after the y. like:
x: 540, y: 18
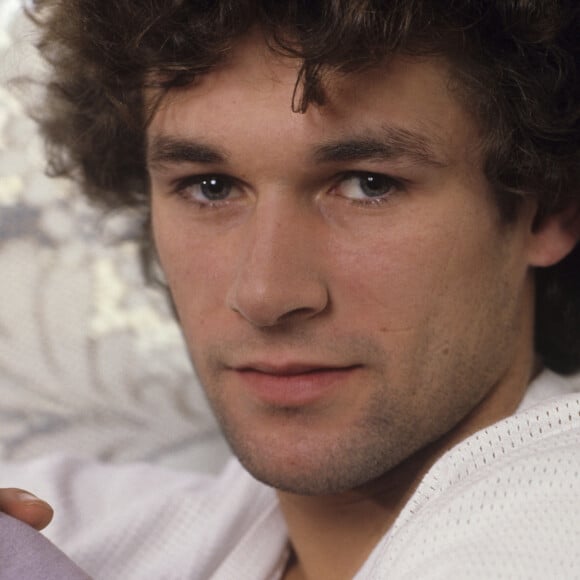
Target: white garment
x: 504, y: 503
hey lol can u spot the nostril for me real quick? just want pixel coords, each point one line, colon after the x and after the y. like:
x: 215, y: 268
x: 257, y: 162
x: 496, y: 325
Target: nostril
x: 278, y: 304
x: 300, y: 313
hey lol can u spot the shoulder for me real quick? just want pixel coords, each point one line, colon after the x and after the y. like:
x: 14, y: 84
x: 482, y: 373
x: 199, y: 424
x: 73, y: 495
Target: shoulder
x: 503, y: 503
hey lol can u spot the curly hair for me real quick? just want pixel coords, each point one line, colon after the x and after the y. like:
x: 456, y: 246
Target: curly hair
x: 516, y: 67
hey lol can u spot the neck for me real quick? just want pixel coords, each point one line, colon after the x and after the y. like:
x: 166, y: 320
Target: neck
x: 332, y: 536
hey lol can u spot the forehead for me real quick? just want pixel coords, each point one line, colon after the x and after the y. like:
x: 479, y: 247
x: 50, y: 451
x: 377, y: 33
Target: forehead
x: 249, y: 98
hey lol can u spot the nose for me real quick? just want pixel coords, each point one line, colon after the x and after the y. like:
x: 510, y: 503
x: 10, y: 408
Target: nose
x: 279, y: 278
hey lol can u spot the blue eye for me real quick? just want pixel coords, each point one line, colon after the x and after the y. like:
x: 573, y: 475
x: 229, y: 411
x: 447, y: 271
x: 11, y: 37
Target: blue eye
x: 205, y: 189
x: 374, y: 185
x: 367, y: 186
x: 215, y: 188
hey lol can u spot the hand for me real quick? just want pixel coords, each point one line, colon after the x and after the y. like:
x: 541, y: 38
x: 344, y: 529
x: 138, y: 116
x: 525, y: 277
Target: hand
x: 25, y: 507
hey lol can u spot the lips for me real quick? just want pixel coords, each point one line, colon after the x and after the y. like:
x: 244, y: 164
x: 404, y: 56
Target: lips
x: 292, y: 384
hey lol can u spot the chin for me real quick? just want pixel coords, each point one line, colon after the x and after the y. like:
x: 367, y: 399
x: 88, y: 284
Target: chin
x: 318, y: 467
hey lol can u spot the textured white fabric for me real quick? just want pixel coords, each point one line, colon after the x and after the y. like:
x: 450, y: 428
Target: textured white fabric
x: 145, y: 522
x: 504, y: 503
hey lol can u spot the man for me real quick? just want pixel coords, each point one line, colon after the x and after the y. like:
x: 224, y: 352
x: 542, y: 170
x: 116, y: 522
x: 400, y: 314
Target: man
x: 367, y: 214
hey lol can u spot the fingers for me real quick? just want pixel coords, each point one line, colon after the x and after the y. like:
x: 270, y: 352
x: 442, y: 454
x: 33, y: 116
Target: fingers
x: 25, y: 507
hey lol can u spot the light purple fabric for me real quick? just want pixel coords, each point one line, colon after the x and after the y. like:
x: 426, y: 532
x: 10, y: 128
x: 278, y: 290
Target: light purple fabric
x: 26, y: 554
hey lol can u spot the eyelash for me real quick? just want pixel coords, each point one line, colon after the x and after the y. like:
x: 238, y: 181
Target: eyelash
x: 181, y: 186
x: 396, y: 184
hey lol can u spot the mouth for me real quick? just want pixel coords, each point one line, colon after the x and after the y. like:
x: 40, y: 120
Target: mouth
x: 292, y: 384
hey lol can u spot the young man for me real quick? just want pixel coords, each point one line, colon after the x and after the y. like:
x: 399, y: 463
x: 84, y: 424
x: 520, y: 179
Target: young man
x: 367, y: 214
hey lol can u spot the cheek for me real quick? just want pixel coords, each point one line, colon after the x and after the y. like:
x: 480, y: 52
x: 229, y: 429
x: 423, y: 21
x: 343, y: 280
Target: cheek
x: 195, y: 267
x: 390, y: 279
x: 410, y: 280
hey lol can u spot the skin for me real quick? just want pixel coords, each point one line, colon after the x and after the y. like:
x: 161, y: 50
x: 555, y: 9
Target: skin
x: 420, y: 299
x: 25, y: 507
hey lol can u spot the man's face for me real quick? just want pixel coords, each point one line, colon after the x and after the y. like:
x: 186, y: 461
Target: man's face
x: 343, y: 280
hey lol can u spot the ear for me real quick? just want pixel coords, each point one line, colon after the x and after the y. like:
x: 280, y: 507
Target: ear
x: 554, y: 236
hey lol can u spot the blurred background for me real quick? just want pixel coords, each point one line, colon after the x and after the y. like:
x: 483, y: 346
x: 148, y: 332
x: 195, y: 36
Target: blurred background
x: 91, y: 360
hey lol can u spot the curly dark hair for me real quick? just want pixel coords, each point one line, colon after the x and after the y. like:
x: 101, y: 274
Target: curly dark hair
x: 516, y: 66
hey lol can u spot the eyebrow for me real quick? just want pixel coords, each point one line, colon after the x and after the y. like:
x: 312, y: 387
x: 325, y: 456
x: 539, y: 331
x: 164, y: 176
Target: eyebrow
x: 164, y: 150
x: 387, y: 143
